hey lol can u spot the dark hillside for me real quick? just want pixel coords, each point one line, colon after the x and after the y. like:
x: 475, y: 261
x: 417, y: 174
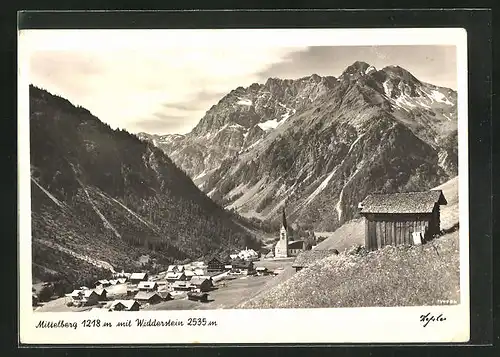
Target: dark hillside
x: 105, y: 194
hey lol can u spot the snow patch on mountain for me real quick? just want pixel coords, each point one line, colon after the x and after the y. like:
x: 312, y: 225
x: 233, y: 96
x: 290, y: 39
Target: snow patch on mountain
x: 244, y: 101
x: 440, y: 97
x: 338, y: 206
x: 325, y: 182
x: 107, y: 224
x: 248, y: 195
x: 446, y: 116
x: 320, y: 188
x: 269, y: 125
x: 49, y: 195
x: 370, y: 69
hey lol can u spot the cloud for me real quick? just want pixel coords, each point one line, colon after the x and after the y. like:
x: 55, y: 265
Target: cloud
x: 123, y: 86
x: 429, y: 63
x: 167, y: 89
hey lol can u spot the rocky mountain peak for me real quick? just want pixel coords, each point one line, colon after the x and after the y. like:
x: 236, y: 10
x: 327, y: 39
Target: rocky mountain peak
x: 399, y: 73
x: 358, y: 68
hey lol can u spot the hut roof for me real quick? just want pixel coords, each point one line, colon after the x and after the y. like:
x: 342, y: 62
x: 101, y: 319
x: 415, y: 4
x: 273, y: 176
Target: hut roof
x: 296, y: 244
x: 126, y: 303
x: 138, y: 276
x: 147, y: 285
x: 198, y: 280
x: 308, y: 257
x: 181, y: 284
x: 145, y: 295
x: 100, y: 292
x: 409, y: 202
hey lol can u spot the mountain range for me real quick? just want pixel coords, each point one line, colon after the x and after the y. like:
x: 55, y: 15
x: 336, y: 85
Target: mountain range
x: 101, y: 199
x: 319, y: 144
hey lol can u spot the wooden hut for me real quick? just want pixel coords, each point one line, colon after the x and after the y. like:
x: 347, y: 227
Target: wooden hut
x: 215, y: 264
x: 392, y: 219
x: 123, y: 305
x: 201, y: 283
x: 150, y: 297
x: 136, y: 278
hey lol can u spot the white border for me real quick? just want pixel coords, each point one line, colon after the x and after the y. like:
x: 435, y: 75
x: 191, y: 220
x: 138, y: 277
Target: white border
x: 346, y: 325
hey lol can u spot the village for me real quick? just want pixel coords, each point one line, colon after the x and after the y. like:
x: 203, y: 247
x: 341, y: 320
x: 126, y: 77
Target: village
x: 224, y: 283
x: 186, y: 285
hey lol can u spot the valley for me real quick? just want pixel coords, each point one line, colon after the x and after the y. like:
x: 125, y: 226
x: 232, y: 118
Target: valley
x: 106, y: 201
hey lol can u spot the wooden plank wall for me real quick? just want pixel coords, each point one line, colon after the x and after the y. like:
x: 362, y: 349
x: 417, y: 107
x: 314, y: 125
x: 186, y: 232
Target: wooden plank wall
x: 391, y: 231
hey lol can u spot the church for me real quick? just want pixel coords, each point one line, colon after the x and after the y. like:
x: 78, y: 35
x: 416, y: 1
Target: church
x: 285, y: 247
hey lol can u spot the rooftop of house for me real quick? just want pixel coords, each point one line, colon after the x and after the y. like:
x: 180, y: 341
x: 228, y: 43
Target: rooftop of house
x: 146, y: 284
x: 172, y: 275
x: 145, y: 295
x: 308, y: 257
x: 181, y: 284
x: 198, y: 280
x: 296, y: 244
x: 127, y: 303
x: 138, y: 276
x: 408, y: 202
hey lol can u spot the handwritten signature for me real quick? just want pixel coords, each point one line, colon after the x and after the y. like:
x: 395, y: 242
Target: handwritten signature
x: 428, y: 318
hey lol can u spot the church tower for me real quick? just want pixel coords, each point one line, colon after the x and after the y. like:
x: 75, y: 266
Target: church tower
x: 281, y: 249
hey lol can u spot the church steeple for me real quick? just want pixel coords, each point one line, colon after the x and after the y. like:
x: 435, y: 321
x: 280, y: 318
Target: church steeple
x: 284, y: 219
x: 281, y: 248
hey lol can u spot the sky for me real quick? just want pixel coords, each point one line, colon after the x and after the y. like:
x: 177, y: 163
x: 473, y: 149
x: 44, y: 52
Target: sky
x: 168, y: 89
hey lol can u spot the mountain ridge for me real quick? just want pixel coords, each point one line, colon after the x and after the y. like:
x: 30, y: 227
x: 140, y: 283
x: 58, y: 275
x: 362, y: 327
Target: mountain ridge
x: 310, y: 141
x: 102, y: 196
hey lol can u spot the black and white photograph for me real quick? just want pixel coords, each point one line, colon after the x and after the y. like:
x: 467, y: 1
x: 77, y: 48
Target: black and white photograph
x: 197, y: 174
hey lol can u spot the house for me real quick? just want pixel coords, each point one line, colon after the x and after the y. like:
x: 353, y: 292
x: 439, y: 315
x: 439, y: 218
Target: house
x: 136, y: 278
x: 88, y: 298
x: 188, y: 274
x: 285, y: 247
x: 203, y: 297
x: 150, y: 297
x: 248, y: 254
x: 122, y: 280
x: 199, y: 271
x: 102, y: 283
x: 201, y: 283
x: 308, y: 257
x: 102, y: 294
x: 113, y: 281
x: 182, y: 286
x: 147, y: 286
x: 121, y: 274
x: 161, y: 284
x: 124, y: 305
x: 132, y: 290
x: 75, y: 294
x: 165, y: 295
x: 295, y: 247
x: 215, y: 264
x: 401, y: 218
x: 198, y: 264
x: 172, y: 277
x: 243, y: 266
x: 261, y: 270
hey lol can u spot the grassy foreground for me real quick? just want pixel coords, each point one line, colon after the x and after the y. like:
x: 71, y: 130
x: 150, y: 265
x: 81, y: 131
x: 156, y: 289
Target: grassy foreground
x: 392, y: 276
